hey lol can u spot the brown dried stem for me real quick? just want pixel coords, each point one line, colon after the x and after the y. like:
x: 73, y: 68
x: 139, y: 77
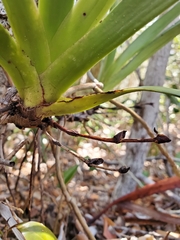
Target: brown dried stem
x: 150, y: 133
x: 118, y: 138
x: 32, y: 177
x: 68, y: 197
x: 91, y: 162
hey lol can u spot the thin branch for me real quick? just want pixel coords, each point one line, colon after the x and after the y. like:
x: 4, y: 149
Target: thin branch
x: 118, y: 138
x: 70, y: 200
x: 91, y: 162
x: 32, y: 177
x: 7, y: 163
x: 39, y: 173
x: 73, y: 204
x: 9, y: 188
x: 16, y: 149
x: 21, y: 164
x: 150, y: 133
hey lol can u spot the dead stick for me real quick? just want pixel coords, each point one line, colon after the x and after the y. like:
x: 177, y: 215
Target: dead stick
x: 118, y: 138
x: 69, y: 199
x: 151, y: 134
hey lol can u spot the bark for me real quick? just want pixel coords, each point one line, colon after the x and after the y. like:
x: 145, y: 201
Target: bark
x: 3, y: 82
x: 136, y: 152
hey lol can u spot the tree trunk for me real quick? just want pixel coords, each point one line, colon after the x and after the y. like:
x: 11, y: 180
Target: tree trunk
x: 136, y: 152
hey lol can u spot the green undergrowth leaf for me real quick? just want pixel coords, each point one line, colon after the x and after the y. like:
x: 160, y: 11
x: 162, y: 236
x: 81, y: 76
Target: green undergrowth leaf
x: 35, y: 231
x: 79, y: 104
x: 69, y: 173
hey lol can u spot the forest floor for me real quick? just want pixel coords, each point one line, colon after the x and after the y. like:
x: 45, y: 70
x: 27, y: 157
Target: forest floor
x: 150, y: 212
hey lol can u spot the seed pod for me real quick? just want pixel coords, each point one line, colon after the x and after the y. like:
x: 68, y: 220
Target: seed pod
x: 118, y: 137
x: 160, y: 138
x: 124, y: 169
x: 95, y: 161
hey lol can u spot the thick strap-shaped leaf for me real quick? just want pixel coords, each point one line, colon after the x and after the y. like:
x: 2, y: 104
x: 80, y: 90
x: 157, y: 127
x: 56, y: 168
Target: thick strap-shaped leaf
x: 122, y: 22
x: 28, y: 30
x: 138, y: 44
x: 82, y: 17
x: 144, y: 54
x: 79, y: 104
x: 17, y: 65
x: 53, y: 13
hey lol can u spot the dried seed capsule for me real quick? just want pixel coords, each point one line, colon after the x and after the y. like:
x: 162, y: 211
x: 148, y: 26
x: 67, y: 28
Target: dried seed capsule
x: 124, y: 169
x: 161, y: 138
x: 118, y: 137
x: 95, y: 161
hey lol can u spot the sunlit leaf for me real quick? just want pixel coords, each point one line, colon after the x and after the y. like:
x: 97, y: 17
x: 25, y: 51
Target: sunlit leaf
x: 36, y: 231
x: 79, y: 104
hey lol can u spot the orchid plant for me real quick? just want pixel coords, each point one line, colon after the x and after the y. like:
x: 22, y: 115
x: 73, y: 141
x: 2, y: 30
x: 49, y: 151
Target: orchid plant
x: 53, y: 43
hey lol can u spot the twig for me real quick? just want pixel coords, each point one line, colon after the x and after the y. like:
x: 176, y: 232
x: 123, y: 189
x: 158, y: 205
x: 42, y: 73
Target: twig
x: 7, y: 163
x: 8, y: 185
x: 91, y: 162
x: 138, y: 118
x: 150, y: 133
x: 118, y: 138
x: 21, y: 164
x: 39, y: 173
x: 16, y: 149
x: 32, y: 177
x: 73, y: 204
x: 69, y: 199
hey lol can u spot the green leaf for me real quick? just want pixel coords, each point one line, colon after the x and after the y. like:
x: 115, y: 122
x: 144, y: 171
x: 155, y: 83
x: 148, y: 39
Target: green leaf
x: 82, y: 18
x: 106, y: 63
x: 28, y: 30
x: 141, y: 42
x: 121, y: 23
x: 174, y: 100
x: 35, y: 230
x: 79, y: 104
x: 20, y: 69
x: 53, y: 13
x: 69, y: 173
x: 144, y: 54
